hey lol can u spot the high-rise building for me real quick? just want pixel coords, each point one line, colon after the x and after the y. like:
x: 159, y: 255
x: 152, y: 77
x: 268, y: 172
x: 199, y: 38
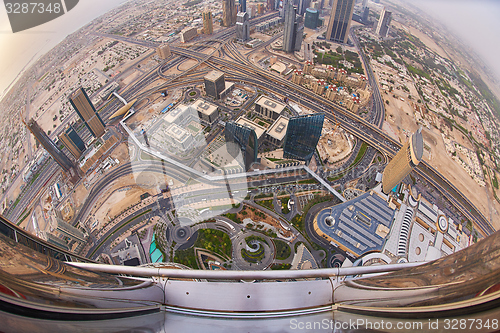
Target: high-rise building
x: 241, y: 138
x: 293, y: 31
x: 366, y: 13
x: 365, y: 3
x: 340, y: 21
x: 215, y: 83
x: 303, y: 5
x: 302, y: 136
x: 188, y: 33
x: 403, y: 163
x: 208, y: 25
x: 383, y: 23
x: 228, y: 13
x: 88, y: 114
x: 243, y: 5
x: 311, y: 19
x: 242, y: 27
x: 68, y: 166
x: 271, y: 5
x: 72, y: 141
x: 163, y: 51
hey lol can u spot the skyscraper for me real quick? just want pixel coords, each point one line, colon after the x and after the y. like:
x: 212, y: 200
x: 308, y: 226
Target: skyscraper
x: 292, y: 34
x: 243, y: 6
x: 72, y: 142
x: 84, y: 108
x: 241, y: 138
x: 340, y: 21
x: 303, y: 5
x: 215, y: 83
x: 64, y: 162
x: 208, y: 25
x: 366, y: 13
x: 242, y: 26
x: 383, y: 23
x: 302, y: 136
x: 271, y: 5
x: 403, y: 163
x: 228, y: 13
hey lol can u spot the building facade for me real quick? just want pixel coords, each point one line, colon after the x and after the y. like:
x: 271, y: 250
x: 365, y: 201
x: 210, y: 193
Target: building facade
x: 340, y: 21
x: 241, y: 138
x: 68, y: 166
x: 268, y: 108
x: 87, y: 113
x: 207, y: 112
x: 163, y: 51
x: 208, y: 24
x: 383, y: 23
x: 243, y: 6
x: 292, y: 31
x: 408, y: 157
x: 302, y: 136
x: 72, y: 142
x: 242, y: 27
x: 214, y: 84
x: 311, y: 19
x: 187, y: 34
x: 228, y: 13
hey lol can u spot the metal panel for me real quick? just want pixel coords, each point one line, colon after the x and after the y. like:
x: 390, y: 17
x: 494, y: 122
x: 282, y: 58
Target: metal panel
x: 258, y: 296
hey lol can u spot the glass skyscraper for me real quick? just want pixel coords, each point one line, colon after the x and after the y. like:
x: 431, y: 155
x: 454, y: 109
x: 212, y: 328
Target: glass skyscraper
x: 244, y: 138
x: 302, y: 136
x: 340, y: 21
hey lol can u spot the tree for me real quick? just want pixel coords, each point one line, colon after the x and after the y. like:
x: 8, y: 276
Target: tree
x: 387, y: 102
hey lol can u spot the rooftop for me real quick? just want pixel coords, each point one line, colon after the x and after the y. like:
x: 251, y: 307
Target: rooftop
x: 270, y: 104
x: 357, y: 224
x: 259, y: 130
x: 204, y: 107
x: 213, y: 76
x: 278, y: 129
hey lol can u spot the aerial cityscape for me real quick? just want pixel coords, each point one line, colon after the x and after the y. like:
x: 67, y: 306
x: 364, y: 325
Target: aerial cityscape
x: 252, y: 135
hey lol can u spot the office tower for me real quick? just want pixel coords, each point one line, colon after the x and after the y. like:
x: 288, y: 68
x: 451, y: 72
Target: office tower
x: 311, y: 20
x: 228, y: 13
x: 243, y: 6
x: 303, y: 5
x: 241, y: 138
x: 163, y: 51
x: 208, y: 25
x: 271, y: 5
x: 366, y: 13
x: 89, y: 116
x: 340, y: 21
x: 72, y: 142
x: 64, y: 162
x: 214, y: 84
x: 383, y: 23
x: 293, y: 32
x: 403, y: 163
x: 302, y: 136
x: 242, y: 27
x: 188, y: 33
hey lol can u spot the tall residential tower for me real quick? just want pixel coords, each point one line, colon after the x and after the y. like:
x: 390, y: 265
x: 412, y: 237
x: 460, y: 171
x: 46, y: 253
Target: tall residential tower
x: 383, y: 23
x: 208, y: 25
x: 340, y: 21
x: 228, y: 13
x: 292, y: 32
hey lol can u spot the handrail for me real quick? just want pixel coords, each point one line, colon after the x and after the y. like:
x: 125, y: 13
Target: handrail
x: 242, y: 275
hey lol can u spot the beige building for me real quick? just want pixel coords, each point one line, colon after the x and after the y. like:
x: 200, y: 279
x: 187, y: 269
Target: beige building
x: 208, y: 25
x: 163, y: 51
x: 309, y: 65
x: 276, y: 133
x: 403, y: 163
x: 268, y: 108
x: 207, y: 112
x: 187, y: 34
x: 259, y: 130
x: 228, y: 13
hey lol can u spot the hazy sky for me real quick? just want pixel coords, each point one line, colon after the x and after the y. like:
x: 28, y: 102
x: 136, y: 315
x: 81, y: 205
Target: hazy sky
x: 476, y: 21
x: 22, y: 48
